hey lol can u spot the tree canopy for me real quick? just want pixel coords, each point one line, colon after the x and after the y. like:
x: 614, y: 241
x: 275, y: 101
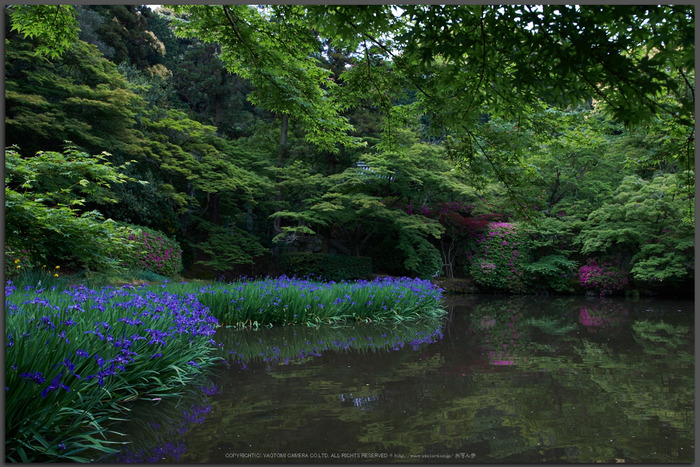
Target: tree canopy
x: 398, y: 132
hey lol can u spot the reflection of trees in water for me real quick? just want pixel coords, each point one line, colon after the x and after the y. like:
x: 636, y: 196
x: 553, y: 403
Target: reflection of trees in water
x: 653, y: 386
x: 574, y: 393
x: 498, y: 330
x: 590, y: 400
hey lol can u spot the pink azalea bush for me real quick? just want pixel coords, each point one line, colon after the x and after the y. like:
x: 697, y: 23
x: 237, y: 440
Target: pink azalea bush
x: 500, y: 256
x: 153, y: 251
x: 604, y: 278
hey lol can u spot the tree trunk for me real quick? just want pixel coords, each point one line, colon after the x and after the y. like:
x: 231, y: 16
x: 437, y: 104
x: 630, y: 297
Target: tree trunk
x: 218, y: 111
x: 281, y: 156
x: 214, y: 201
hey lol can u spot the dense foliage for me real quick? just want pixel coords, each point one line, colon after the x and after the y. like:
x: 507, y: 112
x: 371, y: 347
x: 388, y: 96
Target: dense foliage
x: 501, y: 258
x: 532, y: 149
x: 404, y: 135
x: 45, y: 210
x: 328, y: 267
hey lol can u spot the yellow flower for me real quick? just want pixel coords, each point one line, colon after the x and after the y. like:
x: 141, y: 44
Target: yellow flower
x: 58, y: 267
x: 18, y: 266
x: 55, y: 275
x: 16, y: 261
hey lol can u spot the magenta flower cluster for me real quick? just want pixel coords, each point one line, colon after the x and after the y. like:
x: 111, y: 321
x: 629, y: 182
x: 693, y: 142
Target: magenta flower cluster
x: 155, y: 252
x: 605, y: 278
x: 499, y: 257
x: 457, y: 217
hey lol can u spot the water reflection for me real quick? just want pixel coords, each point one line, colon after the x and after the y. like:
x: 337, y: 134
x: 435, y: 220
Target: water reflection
x: 606, y: 316
x: 295, y: 344
x: 157, y: 433
x: 500, y: 380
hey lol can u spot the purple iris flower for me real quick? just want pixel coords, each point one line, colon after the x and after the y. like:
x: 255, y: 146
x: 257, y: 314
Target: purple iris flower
x: 55, y: 384
x: 102, y: 373
x: 35, y: 376
x: 68, y: 364
x: 100, y: 361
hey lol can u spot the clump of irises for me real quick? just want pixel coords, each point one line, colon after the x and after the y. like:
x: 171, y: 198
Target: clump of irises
x: 284, y: 300
x: 77, y: 357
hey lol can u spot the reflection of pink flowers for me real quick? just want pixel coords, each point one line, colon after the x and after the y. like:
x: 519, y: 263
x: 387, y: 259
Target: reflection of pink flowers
x: 501, y: 359
x: 500, y: 339
x: 502, y: 362
x: 587, y: 320
x: 602, y: 317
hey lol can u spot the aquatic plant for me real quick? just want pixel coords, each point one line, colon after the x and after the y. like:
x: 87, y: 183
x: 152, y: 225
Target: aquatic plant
x: 75, y: 357
x: 284, y: 300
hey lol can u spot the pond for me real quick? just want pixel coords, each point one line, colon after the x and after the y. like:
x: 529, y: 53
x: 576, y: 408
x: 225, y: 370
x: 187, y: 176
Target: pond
x: 498, y: 380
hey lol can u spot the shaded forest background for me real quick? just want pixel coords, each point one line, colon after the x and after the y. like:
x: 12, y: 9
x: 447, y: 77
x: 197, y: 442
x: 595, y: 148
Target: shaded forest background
x: 256, y: 141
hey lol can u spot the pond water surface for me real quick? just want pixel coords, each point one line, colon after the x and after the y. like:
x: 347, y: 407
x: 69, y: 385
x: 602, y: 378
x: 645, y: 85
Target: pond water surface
x: 498, y: 380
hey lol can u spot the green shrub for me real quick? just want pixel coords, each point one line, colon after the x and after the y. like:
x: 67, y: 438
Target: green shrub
x: 328, y: 267
x: 552, y: 271
x: 422, y: 258
x: 46, y: 221
x: 229, y: 246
